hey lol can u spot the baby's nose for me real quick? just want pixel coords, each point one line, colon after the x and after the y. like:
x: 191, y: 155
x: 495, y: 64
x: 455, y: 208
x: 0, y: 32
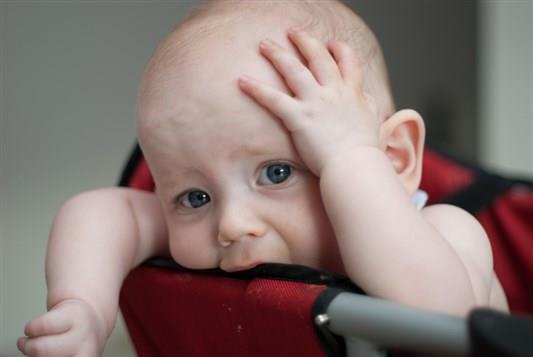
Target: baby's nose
x: 238, y: 221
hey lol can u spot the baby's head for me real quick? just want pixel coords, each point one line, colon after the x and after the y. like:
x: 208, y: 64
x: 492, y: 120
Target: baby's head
x: 232, y: 187
x: 221, y: 39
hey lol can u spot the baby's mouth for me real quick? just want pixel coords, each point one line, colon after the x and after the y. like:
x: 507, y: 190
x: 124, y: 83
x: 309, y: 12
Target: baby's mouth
x: 233, y: 268
x: 249, y: 253
x: 241, y: 256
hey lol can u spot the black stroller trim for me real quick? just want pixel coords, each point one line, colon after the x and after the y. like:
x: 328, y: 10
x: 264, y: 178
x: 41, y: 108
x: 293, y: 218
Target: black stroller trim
x: 480, y: 193
x: 494, y: 334
x: 333, y: 345
x: 288, y: 272
x: 131, y: 165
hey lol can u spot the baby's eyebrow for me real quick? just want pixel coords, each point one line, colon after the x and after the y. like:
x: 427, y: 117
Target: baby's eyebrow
x: 252, y: 149
x: 262, y: 145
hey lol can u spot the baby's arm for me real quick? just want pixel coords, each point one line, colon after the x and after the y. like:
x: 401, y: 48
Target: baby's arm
x: 388, y: 247
x: 96, y: 239
x: 437, y: 259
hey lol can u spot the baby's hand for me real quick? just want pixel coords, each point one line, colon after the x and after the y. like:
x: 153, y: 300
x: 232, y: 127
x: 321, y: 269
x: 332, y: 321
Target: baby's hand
x: 329, y: 115
x: 71, y: 328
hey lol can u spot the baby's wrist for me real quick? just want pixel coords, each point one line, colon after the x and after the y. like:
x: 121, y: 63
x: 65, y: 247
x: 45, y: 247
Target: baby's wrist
x: 106, y: 320
x: 104, y: 323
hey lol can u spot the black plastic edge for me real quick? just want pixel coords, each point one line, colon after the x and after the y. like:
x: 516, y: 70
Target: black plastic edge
x: 131, y: 165
x: 494, y: 334
x: 480, y: 193
x: 288, y: 272
x: 332, y: 345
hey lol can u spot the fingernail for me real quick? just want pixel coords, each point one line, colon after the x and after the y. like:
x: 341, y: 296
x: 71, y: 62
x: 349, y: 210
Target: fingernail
x: 244, y: 79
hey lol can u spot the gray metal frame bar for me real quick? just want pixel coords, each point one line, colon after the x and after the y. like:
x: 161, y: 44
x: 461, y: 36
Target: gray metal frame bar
x: 370, y: 324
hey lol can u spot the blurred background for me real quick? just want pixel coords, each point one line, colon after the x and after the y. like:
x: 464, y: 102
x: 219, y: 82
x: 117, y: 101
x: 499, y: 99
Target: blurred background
x: 68, y: 77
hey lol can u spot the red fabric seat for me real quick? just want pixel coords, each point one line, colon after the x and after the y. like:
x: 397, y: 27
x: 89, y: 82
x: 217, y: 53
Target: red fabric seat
x: 171, y: 313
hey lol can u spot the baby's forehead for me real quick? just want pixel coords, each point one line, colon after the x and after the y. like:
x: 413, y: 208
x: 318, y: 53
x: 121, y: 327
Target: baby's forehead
x: 200, y: 62
x: 232, y: 29
x: 208, y: 44
x: 188, y: 72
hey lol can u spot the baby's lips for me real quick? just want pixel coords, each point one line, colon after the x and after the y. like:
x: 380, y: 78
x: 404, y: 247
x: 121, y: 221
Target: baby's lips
x: 232, y: 269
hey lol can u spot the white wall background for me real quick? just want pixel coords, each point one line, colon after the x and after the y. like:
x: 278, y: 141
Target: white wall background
x: 506, y: 85
x: 68, y: 76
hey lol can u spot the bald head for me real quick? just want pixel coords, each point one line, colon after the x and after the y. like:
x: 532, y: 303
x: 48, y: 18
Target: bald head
x: 218, y: 42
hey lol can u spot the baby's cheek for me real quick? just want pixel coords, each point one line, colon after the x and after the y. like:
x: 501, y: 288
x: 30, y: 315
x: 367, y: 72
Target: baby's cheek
x: 316, y: 239
x: 193, y: 252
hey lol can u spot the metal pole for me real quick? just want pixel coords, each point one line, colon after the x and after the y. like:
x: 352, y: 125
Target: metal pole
x: 392, y: 325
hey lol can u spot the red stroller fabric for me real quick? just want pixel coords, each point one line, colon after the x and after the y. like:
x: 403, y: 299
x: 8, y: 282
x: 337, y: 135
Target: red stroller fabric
x: 171, y: 313
x: 509, y: 223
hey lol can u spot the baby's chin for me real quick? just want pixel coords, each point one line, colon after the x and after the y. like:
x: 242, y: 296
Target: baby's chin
x: 236, y: 268
x: 229, y: 265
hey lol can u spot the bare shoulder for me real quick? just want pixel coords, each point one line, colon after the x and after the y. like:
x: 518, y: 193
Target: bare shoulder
x: 466, y: 236
x: 457, y: 224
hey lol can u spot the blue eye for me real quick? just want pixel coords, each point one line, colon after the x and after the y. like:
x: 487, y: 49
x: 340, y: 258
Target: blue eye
x: 195, y: 199
x: 274, y: 174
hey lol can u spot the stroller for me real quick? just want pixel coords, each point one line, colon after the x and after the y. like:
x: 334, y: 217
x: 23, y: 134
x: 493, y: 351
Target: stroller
x: 289, y: 310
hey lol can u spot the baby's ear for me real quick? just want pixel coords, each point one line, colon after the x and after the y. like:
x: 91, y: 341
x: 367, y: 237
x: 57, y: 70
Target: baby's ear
x: 402, y: 138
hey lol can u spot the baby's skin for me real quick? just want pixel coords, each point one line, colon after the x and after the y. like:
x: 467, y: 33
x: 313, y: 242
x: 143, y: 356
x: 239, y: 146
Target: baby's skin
x: 293, y: 165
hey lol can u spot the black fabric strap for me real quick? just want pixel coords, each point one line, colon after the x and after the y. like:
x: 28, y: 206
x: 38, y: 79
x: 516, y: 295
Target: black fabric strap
x: 332, y: 345
x: 131, y: 165
x: 485, y: 188
x: 288, y: 272
x: 495, y: 334
x: 481, y: 193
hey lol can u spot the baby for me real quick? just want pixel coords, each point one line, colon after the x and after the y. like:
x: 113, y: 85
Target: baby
x: 267, y: 143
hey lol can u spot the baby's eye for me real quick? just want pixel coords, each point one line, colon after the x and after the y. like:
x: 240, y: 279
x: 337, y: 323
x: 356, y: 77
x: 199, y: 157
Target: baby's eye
x: 195, y: 199
x: 274, y: 174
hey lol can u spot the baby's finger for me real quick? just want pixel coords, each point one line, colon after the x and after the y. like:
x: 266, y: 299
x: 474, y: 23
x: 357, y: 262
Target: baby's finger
x: 50, y: 323
x: 297, y: 76
x: 278, y: 103
x: 319, y: 60
x: 56, y: 346
x: 348, y: 62
x: 21, y: 342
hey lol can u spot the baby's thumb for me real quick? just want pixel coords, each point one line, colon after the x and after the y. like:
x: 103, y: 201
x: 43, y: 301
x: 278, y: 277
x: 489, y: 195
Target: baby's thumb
x: 50, y: 323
